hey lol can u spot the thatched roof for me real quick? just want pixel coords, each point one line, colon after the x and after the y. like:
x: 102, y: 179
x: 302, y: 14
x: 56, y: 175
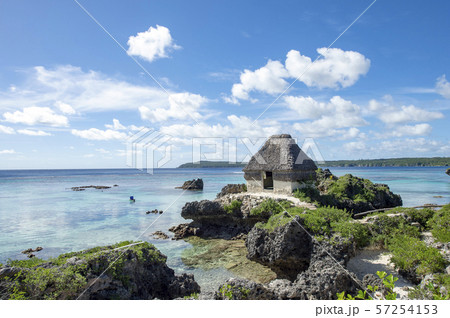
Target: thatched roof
x: 280, y: 153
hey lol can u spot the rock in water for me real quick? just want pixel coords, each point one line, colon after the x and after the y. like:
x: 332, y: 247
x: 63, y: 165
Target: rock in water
x: 195, y: 184
x: 448, y: 171
x: 138, y: 271
x: 232, y: 189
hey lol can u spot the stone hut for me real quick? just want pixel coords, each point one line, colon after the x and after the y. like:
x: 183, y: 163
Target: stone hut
x: 280, y: 166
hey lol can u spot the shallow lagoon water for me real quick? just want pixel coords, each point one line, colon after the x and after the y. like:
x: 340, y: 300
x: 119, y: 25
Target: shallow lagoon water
x: 38, y: 208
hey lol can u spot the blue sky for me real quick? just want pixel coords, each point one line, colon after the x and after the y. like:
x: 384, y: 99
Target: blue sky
x: 71, y: 97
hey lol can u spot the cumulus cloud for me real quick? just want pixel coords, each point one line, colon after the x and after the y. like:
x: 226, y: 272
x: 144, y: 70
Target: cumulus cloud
x: 268, y: 79
x: 354, y: 146
x: 412, y: 130
x: 237, y: 126
x: 413, y: 145
x: 36, y: 115
x: 89, y: 92
x: 7, y: 130
x: 181, y: 106
x: 443, y: 86
x: 331, y: 119
x: 97, y: 134
x: 65, y: 108
x: 7, y: 152
x: 30, y: 132
x: 116, y: 125
x: 405, y: 114
x: 337, y: 68
x: 152, y: 44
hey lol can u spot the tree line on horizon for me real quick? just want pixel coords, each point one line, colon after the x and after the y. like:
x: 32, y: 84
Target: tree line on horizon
x: 392, y: 162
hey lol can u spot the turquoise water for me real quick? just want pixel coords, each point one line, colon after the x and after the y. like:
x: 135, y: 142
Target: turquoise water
x: 38, y: 208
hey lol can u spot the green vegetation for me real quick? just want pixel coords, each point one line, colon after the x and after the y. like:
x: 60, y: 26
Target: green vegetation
x: 269, y: 207
x: 234, y: 207
x: 440, y: 224
x: 438, y: 288
x: 232, y: 292
x: 191, y: 296
x: 60, y: 279
x: 394, y: 162
x: 410, y: 253
x: 388, y: 282
x: 212, y: 164
x: 346, y: 192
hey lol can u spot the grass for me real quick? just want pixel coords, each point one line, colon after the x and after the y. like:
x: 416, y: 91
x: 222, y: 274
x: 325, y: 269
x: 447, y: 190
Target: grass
x: 440, y: 224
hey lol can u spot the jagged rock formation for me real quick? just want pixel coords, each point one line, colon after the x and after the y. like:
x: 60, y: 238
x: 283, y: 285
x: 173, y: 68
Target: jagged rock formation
x: 195, y: 184
x: 350, y: 193
x: 448, y: 171
x: 132, y: 272
x: 288, y: 250
x: 232, y: 189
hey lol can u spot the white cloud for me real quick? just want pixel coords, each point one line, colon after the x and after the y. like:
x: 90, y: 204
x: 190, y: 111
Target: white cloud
x: 412, y: 145
x: 30, y: 132
x: 7, y: 152
x: 354, y: 146
x: 268, y: 79
x: 90, y: 155
x: 237, y: 126
x: 87, y: 92
x: 65, y: 108
x: 97, y: 134
x: 116, y: 125
x: 35, y: 116
x: 181, y: 106
x: 152, y: 44
x: 443, y: 86
x: 336, y: 69
x: 331, y: 118
x: 406, y: 114
x: 412, y: 130
x: 7, y: 130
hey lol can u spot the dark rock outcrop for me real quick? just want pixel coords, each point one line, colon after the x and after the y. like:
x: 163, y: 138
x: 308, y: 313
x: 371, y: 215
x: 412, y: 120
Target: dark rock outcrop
x: 232, y: 189
x: 184, y: 230
x: 288, y: 250
x: 82, y: 188
x: 352, y: 193
x: 160, y: 235
x: 195, y: 184
x: 133, y: 271
x: 211, y: 219
x: 243, y: 289
x: 448, y: 171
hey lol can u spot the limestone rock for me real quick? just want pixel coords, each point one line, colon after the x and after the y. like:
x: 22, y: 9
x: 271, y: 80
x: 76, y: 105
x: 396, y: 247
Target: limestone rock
x: 195, y: 184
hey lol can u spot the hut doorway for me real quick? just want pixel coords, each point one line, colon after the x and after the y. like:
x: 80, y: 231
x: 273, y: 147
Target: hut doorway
x: 268, y: 180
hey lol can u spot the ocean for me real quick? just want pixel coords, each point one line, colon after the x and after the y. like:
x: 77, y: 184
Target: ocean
x: 38, y: 207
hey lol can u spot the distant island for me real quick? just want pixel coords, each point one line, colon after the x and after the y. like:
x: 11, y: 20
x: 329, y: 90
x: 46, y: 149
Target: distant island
x: 393, y: 162
x: 213, y: 164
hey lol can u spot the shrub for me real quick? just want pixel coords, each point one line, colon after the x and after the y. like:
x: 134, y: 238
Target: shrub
x: 357, y: 231
x: 440, y: 224
x: 269, y: 207
x: 437, y: 289
x: 232, y: 292
x: 233, y: 207
x: 410, y: 253
x: 386, y: 227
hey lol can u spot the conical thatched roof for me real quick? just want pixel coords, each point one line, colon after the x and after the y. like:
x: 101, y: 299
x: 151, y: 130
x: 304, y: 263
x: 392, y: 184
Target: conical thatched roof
x: 280, y: 153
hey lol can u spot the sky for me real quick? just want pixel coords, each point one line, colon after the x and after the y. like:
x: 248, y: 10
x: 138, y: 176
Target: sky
x: 113, y: 84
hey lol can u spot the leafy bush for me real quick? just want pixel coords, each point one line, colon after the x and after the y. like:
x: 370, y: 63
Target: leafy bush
x: 386, y: 227
x: 388, y: 282
x: 27, y: 263
x: 357, y: 231
x: 410, y: 253
x: 232, y: 292
x: 233, y: 207
x: 437, y: 289
x: 440, y: 224
x: 269, y: 207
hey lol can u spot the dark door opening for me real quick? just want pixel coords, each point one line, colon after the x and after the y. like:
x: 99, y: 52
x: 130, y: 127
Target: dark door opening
x: 268, y: 180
